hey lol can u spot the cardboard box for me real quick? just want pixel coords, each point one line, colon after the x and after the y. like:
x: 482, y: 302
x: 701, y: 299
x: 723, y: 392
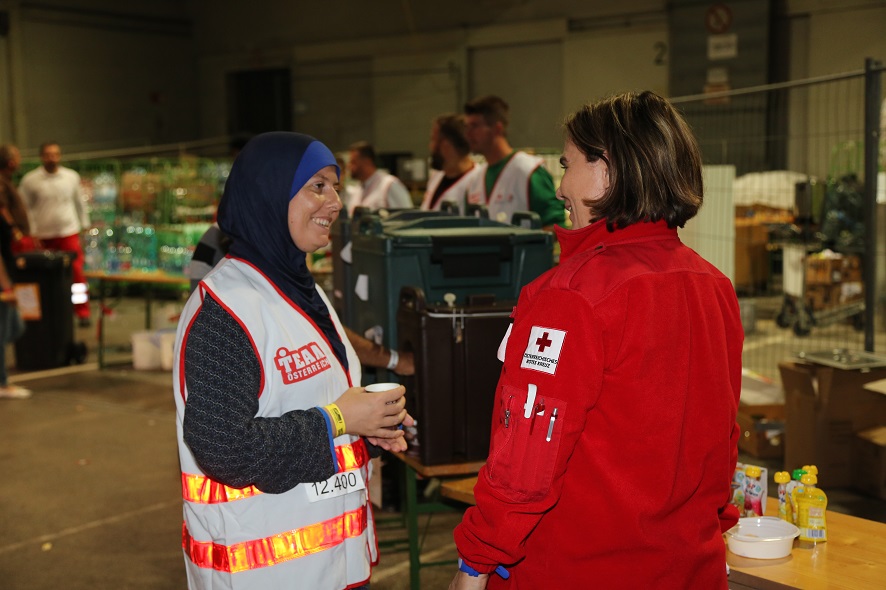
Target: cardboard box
x: 762, y: 430
x: 824, y: 408
x: 851, y: 269
x: 833, y: 269
x: 751, y: 255
x: 851, y: 291
x: 819, y: 297
x: 823, y: 271
x: 869, y: 462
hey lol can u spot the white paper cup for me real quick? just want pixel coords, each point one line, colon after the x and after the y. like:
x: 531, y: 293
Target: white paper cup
x: 377, y: 387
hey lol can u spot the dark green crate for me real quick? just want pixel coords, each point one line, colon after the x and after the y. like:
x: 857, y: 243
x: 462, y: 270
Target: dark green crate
x: 465, y: 256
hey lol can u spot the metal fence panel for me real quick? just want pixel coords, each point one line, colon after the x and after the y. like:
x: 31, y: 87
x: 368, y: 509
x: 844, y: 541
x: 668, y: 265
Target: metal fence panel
x: 791, y: 179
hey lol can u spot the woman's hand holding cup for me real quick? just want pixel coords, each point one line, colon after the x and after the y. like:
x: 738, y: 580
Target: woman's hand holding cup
x: 396, y: 444
x: 375, y: 412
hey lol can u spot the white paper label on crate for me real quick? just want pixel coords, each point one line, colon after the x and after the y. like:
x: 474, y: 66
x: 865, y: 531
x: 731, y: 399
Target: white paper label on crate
x: 543, y: 350
x: 345, y: 253
x: 361, y: 288
x: 337, y: 485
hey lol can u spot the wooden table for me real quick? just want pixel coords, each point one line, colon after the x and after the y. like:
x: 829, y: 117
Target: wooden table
x: 853, y: 558
x: 412, y: 508
x: 149, y: 279
x: 461, y: 490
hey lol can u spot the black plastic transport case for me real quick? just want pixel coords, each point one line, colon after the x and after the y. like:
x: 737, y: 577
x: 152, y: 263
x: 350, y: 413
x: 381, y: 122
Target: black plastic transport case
x: 456, y: 372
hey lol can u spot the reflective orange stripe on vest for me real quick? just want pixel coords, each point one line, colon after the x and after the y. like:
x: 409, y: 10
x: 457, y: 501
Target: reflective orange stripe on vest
x: 276, y: 549
x: 202, y: 490
x: 351, y: 456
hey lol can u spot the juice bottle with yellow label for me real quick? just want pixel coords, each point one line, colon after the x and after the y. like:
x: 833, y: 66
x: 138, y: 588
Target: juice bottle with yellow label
x: 793, y: 488
x: 811, y: 505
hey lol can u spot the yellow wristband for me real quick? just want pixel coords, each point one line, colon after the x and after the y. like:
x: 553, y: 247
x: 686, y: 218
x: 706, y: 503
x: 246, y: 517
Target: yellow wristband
x: 338, y: 421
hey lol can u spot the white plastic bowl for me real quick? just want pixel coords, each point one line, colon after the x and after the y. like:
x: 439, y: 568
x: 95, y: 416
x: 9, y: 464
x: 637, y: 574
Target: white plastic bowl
x: 764, y: 537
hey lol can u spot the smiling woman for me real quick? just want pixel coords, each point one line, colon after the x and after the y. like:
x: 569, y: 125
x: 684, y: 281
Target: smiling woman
x: 585, y: 180
x: 629, y: 355
x: 313, y: 209
x: 272, y: 422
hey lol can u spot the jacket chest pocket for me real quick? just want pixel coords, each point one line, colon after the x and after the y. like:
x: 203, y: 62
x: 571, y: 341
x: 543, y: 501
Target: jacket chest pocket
x: 524, y: 449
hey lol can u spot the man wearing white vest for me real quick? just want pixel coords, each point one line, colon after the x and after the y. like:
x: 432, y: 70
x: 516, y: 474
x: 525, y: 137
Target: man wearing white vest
x: 453, y: 168
x: 380, y: 190
x: 510, y: 181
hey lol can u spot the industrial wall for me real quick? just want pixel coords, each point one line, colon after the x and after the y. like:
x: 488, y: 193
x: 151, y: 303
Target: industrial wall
x: 96, y: 74
x: 545, y: 57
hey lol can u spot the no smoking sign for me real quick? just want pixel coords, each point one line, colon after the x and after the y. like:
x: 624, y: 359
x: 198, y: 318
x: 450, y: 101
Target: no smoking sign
x: 718, y: 19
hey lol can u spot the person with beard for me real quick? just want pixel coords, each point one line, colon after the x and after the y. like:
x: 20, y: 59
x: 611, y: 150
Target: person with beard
x: 274, y: 431
x: 451, y: 164
x: 58, y: 215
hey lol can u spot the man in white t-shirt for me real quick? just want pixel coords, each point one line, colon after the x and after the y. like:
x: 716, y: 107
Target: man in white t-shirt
x: 58, y: 215
x: 380, y: 190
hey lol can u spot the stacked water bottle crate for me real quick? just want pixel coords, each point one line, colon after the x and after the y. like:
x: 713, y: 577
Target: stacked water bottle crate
x: 148, y: 215
x: 119, y: 248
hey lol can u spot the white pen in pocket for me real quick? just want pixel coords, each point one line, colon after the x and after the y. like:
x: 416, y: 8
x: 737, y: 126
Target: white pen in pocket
x: 551, y: 425
x: 531, y: 392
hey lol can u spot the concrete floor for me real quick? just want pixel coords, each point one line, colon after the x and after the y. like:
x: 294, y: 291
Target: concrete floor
x: 90, y: 493
x: 90, y: 496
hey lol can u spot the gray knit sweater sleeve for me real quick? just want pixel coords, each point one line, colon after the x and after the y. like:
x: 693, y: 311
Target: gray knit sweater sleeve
x: 229, y: 442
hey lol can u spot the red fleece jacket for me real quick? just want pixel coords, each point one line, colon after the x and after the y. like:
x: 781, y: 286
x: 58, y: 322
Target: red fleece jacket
x: 635, y: 341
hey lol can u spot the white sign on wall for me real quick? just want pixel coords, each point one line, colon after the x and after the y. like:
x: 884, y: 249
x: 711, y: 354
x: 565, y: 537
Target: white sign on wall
x: 722, y: 46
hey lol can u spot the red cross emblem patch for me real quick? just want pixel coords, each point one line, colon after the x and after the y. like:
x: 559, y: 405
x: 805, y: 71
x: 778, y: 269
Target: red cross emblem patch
x: 543, y: 349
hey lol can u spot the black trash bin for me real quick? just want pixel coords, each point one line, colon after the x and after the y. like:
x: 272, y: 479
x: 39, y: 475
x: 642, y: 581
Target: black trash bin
x: 48, y: 341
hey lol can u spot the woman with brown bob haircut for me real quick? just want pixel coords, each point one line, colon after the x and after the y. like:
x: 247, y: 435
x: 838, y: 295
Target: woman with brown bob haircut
x: 611, y: 460
x: 655, y: 164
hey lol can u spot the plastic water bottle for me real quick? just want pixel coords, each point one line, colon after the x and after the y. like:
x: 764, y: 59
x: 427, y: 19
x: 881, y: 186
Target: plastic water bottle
x: 150, y: 248
x: 112, y: 261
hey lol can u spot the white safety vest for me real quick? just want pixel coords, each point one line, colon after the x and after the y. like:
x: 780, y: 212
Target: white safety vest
x: 239, y: 539
x: 510, y: 193
x: 382, y: 191
x: 457, y: 193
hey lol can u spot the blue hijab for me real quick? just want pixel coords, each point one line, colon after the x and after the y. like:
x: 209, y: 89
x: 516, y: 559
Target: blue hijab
x: 254, y: 212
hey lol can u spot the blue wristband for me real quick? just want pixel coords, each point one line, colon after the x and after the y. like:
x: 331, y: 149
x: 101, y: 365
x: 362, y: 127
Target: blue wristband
x: 463, y: 567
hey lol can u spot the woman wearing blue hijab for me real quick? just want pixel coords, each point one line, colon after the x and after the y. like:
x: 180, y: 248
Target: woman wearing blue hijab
x: 270, y: 412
